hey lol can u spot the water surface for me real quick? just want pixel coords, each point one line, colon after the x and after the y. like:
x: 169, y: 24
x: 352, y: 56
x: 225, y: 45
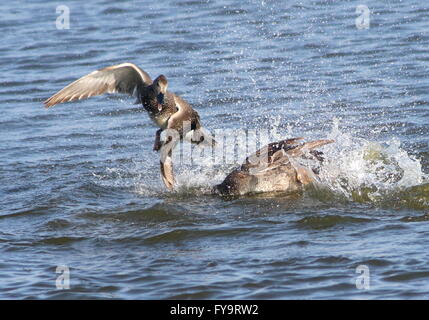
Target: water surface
x: 80, y: 183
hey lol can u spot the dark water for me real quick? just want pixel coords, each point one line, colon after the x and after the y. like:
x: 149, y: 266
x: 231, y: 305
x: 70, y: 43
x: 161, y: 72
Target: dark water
x: 80, y: 186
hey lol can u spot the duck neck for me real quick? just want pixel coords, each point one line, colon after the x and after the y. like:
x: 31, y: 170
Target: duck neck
x: 149, y: 101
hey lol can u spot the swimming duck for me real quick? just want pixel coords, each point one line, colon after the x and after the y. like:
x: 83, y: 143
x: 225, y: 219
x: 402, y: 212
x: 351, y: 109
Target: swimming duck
x: 166, y: 109
x: 274, y: 168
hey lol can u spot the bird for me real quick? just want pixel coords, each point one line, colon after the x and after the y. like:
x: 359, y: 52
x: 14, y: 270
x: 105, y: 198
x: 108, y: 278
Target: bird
x: 166, y: 109
x: 274, y: 168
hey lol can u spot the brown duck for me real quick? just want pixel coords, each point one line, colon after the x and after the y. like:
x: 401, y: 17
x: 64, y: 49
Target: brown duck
x: 274, y: 168
x: 166, y: 109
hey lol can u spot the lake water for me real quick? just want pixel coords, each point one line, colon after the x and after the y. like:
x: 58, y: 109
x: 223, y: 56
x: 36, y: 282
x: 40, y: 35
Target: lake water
x: 80, y: 189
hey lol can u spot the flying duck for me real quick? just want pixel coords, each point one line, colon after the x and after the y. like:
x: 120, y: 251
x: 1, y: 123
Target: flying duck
x: 166, y: 109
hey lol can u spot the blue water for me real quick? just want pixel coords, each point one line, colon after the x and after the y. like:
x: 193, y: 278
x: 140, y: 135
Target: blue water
x: 80, y: 185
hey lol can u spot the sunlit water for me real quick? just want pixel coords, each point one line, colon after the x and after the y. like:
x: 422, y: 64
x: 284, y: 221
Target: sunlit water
x: 80, y: 184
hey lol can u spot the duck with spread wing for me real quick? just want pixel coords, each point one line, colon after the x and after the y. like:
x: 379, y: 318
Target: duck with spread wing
x: 166, y: 109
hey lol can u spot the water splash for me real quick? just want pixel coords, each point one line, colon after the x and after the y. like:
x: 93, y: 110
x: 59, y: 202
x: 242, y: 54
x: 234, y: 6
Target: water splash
x: 355, y: 169
x: 360, y: 169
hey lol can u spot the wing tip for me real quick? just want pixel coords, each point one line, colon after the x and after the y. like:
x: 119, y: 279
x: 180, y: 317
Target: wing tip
x: 328, y: 141
x: 316, y: 143
x: 48, y: 103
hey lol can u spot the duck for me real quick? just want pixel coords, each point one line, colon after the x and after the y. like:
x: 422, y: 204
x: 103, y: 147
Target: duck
x: 166, y: 109
x: 274, y: 168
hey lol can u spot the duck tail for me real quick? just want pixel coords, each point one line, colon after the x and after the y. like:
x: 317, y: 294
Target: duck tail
x: 316, y: 144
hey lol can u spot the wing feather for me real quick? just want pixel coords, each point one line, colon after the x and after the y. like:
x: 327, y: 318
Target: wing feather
x: 122, y: 78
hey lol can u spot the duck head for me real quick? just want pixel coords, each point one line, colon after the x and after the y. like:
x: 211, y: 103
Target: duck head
x: 236, y: 183
x: 160, y: 85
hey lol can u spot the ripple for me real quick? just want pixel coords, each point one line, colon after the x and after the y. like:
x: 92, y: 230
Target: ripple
x: 324, y: 222
x: 424, y: 218
x: 113, y: 10
x: 58, y: 241
x: 406, y: 276
x: 26, y: 212
x: 185, y: 234
x: 58, y: 224
x: 377, y: 262
x: 155, y: 213
x: 333, y: 260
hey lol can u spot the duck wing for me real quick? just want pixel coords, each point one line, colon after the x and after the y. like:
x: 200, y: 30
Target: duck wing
x: 278, y: 153
x: 122, y: 78
x: 269, y: 154
x: 307, y: 147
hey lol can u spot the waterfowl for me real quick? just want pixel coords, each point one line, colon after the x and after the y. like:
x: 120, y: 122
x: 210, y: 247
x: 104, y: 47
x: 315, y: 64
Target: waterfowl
x: 166, y: 109
x: 274, y: 168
